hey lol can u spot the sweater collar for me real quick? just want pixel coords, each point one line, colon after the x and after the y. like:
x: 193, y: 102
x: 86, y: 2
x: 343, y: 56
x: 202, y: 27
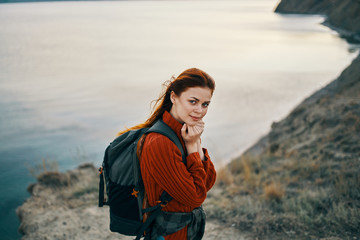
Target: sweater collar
x: 175, y: 126
x: 172, y: 123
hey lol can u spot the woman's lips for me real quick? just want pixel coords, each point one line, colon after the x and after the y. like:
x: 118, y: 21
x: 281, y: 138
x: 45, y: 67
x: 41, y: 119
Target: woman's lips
x: 195, y: 118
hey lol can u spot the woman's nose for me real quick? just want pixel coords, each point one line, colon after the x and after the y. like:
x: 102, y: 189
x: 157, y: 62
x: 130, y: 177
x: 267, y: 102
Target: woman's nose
x: 198, y: 109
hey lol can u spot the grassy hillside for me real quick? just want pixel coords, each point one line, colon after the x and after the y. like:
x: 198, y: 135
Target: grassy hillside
x: 301, y: 180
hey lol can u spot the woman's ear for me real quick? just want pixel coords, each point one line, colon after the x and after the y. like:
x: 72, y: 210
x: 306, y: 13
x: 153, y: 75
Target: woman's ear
x: 172, y: 97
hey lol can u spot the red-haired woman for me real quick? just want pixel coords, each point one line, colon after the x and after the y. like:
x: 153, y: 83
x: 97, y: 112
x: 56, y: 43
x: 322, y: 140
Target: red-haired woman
x: 182, y: 107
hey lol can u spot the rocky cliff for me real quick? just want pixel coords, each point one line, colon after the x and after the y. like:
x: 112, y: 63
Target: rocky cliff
x: 63, y: 206
x: 342, y: 15
x: 301, y: 180
x: 324, y: 126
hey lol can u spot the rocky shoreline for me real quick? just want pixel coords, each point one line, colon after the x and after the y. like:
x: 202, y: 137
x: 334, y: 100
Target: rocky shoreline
x: 63, y: 206
x: 323, y: 120
x: 342, y: 16
x: 301, y: 180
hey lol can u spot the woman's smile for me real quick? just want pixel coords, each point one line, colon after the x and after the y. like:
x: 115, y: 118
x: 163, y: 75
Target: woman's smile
x: 195, y: 118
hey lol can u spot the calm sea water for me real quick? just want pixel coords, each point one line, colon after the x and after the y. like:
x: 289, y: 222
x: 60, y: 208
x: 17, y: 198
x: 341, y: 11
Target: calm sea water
x: 72, y: 74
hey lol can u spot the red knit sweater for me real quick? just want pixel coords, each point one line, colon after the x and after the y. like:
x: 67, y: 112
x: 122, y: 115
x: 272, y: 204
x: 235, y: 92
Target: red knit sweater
x: 162, y: 169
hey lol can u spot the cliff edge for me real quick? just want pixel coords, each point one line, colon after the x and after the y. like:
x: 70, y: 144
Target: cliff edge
x: 301, y: 180
x: 325, y: 125
x: 342, y: 15
x: 63, y: 206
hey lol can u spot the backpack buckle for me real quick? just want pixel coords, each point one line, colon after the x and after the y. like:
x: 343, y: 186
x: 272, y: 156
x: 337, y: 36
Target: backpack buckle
x: 163, y: 204
x: 135, y: 193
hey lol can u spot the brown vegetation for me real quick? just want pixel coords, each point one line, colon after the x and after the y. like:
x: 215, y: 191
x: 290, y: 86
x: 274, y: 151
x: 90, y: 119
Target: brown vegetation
x: 302, y: 180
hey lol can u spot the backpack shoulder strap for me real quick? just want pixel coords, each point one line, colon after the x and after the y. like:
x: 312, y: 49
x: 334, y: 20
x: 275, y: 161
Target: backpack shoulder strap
x: 164, y: 129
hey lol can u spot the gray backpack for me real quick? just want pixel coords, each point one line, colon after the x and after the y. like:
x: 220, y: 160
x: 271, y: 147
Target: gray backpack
x: 124, y: 186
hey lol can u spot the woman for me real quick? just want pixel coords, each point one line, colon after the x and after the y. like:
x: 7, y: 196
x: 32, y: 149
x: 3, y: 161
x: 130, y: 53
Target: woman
x: 182, y: 107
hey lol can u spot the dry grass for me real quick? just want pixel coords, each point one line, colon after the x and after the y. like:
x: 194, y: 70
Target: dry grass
x: 43, y: 167
x: 274, y: 191
x: 224, y: 177
x: 246, y: 168
x: 304, y: 181
x: 277, y: 198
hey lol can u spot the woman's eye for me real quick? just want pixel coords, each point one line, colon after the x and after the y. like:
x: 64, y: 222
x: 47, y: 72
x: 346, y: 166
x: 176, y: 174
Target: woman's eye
x: 205, y: 104
x: 192, y: 102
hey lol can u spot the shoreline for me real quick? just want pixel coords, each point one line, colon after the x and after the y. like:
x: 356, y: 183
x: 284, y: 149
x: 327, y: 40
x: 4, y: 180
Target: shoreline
x: 342, y: 16
x: 301, y: 179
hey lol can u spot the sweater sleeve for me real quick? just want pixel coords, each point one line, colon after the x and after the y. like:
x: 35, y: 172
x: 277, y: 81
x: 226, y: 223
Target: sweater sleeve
x: 187, y: 183
x: 210, y: 171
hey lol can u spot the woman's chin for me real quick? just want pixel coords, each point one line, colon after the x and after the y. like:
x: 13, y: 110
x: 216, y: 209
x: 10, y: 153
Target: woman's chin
x: 191, y: 122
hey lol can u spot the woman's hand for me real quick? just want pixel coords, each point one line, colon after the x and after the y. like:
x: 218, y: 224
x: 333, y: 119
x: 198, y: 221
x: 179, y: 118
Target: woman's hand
x: 191, y: 135
x: 200, y: 150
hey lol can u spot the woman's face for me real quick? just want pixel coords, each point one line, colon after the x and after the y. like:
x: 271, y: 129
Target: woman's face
x: 191, y: 106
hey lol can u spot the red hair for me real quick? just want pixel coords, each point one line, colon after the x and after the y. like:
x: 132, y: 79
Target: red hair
x: 192, y: 77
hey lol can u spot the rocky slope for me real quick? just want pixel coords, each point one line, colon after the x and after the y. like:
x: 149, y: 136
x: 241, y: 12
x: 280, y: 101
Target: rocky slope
x: 342, y: 15
x: 301, y: 181
x: 325, y: 125
x: 64, y: 206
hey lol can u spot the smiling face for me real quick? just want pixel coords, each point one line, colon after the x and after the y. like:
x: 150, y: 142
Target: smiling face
x: 191, y: 106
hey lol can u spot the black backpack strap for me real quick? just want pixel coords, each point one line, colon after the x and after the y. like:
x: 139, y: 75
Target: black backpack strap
x: 155, y: 211
x: 164, y: 129
x: 101, y: 187
x: 148, y: 222
x: 102, y: 200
